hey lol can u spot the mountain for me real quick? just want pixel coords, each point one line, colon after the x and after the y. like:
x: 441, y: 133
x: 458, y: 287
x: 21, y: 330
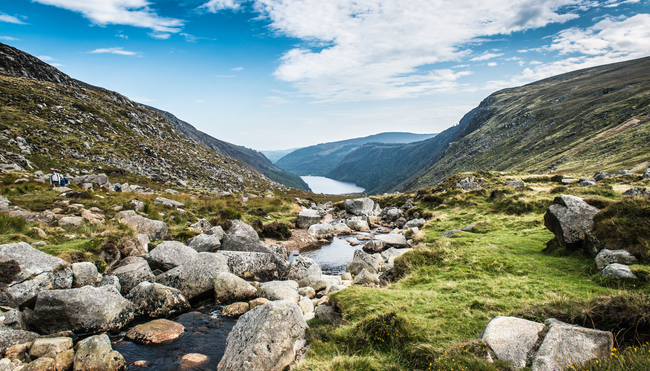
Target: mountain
x: 274, y: 156
x: 321, y: 158
x: 590, y: 120
x: 69, y: 121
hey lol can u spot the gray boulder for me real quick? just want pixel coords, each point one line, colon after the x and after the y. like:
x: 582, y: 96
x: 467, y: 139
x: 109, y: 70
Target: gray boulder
x: 358, y: 225
x: 625, y: 173
x: 565, y: 345
x: 205, y: 242
x: 298, y: 267
x: 515, y: 184
x: 201, y: 226
x: 362, y: 261
x: 156, y: 300
x: 512, y: 339
x: 321, y: 230
x: 12, y: 318
x: 70, y: 221
x: 84, y: 310
x: 392, y: 214
x: 570, y: 219
x: 242, y: 237
x: 99, y: 179
x: 617, y: 271
x: 374, y: 246
x: 38, y: 272
x: 392, y: 239
x: 567, y: 181
x: 155, y: 229
x: 468, y: 184
x: 170, y: 254
x: 265, y: 338
x: 451, y: 233
x: 606, y: 257
x: 415, y: 223
x: 327, y: 314
x: 84, y: 273
x: 279, y: 290
x: 360, y: 206
x: 168, y: 203
x: 601, y: 176
x: 340, y: 228
x: 307, y: 218
x: 391, y: 254
x: 366, y: 278
x: 196, y: 276
x: 638, y: 192
x: 10, y: 336
x: 96, y: 353
x: 229, y: 288
x: 646, y: 173
x: 256, y: 266
x: 131, y: 275
x: 587, y: 182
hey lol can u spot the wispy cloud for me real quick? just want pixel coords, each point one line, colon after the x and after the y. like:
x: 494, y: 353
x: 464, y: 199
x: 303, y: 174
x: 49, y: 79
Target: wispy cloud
x: 45, y: 58
x: 486, y: 56
x: 57, y: 64
x: 193, y: 38
x: 10, y: 19
x: 492, y: 64
x: 9, y: 38
x: 237, y: 69
x: 135, y: 13
x: 159, y: 36
x: 118, y: 51
x: 214, y: 6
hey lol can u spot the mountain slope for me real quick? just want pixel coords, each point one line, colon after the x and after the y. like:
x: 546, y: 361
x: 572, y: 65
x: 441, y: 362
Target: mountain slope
x: 321, y: 158
x: 274, y: 156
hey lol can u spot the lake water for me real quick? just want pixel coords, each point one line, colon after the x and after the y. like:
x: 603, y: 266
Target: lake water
x: 320, y: 184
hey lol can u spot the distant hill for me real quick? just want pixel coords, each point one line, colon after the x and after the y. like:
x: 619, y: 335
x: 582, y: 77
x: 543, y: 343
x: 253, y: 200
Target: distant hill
x: 595, y: 119
x: 274, y: 156
x: 321, y: 158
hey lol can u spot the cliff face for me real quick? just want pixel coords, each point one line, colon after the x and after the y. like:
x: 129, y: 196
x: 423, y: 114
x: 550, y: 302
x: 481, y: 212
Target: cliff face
x: 16, y: 63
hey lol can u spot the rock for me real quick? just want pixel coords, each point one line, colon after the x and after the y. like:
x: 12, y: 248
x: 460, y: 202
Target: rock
x: 95, y: 353
x: 111, y: 281
x: 168, y: 203
x: 280, y: 251
x: 38, y: 272
x: 391, y: 254
x: 366, y: 278
x: 307, y: 292
x: 61, y: 189
x: 84, y: 273
x: 305, y: 305
x: 638, y: 192
x: 83, y: 310
x: 340, y: 228
x: 205, y: 242
x: 12, y: 318
x: 601, y: 176
x: 374, y: 246
x: 512, y: 339
x: 242, y: 237
x: 64, y: 360
x: 325, y: 283
x: 196, y: 276
x: 359, y: 206
x: 155, y: 332
x: 307, y: 218
x: 70, y: 221
x: 41, y: 233
x: 41, y: 364
x: 617, y: 271
x: 334, y: 288
x: 235, y: 310
x: 646, y: 173
x: 156, y: 300
x: 142, y: 243
x: 606, y: 257
x: 155, y: 229
x: 200, y: 226
x: 9, y: 337
x: 415, y: 223
x: 358, y: 225
x: 625, y: 173
x: 360, y: 262
x: 566, y: 345
x: 131, y: 275
x: 587, y: 183
x: 570, y: 218
x: 279, y: 290
x: 265, y: 338
x: 192, y: 361
x: 347, y: 276
x: 256, y: 266
x: 50, y: 347
x: 451, y: 233
x: 229, y: 288
x: 137, y: 205
x: 392, y: 214
x: 257, y: 302
x: 468, y: 184
x: 392, y: 240
x: 321, y: 230
x: 170, y: 254
x: 327, y: 314
x: 298, y: 267
x: 568, y: 181
x: 515, y: 184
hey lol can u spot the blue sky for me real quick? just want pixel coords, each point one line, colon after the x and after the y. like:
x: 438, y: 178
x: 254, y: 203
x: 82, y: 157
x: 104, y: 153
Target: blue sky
x: 279, y: 74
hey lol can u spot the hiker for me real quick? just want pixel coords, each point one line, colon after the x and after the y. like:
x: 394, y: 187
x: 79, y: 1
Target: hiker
x: 55, y: 179
x: 64, y: 181
x: 118, y: 188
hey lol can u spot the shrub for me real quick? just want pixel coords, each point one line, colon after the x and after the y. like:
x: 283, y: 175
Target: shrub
x: 625, y: 224
x: 278, y: 230
x: 386, y: 331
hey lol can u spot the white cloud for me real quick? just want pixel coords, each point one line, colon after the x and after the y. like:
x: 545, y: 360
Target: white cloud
x: 214, y: 6
x: 135, y: 13
x: 486, y: 56
x: 45, y: 58
x: 160, y: 36
x: 10, y: 19
x: 534, y: 63
x: 57, y: 64
x: 237, y: 69
x: 372, y: 49
x: 122, y: 36
x: 492, y: 64
x: 8, y: 38
x: 461, y: 66
x: 118, y: 51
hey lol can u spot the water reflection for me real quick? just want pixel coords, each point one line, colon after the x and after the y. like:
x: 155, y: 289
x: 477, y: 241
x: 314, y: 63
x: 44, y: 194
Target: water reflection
x: 320, y: 184
x: 334, y: 256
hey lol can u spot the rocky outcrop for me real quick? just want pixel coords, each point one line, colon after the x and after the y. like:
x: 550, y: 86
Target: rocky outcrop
x: 365, y: 278
x: 265, y: 338
x: 155, y: 229
x: 197, y: 276
x: 570, y: 218
x: 256, y: 266
x: 360, y: 206
x: 170, y: 254
x: 168, y: 203
x: 392, y: 240
x: 321, y: 230
x: 10, y: 336
x: 242, y: 237
x: 638, y: 192
x: 156, y: 300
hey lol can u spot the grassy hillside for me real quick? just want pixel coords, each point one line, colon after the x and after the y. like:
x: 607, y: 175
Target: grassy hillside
x: 321, y: 158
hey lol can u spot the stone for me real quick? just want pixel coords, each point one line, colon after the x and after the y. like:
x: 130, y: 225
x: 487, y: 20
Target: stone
x: 155, y: 332
x: 200, y: 226
x: 327, y: 314
x: 340, y: 228
x: 155, y: 229
x: 257, y: 302
x: 168, y: 203
x: 638, y: 192
x: 307, y: 218
x: 321, y: 230
x: 347, y: 276
x: 415, y: 223
x: 83, y: 310
x: 570, y: 218
x: 515, y: 184
x: 41, y: 364
x: 137, y: 205
x: 646, y: 173
x: 601, y: 176
x: 359, y: 206
x: 70, y: 221
x: 256, y: 266
x: 391, y: 254
x: 565, y: 345
x: 205, y: 242
x: 298, y: 267
x: 617, y: 271
x: 362, y: 261
x: 265, y: 338
x: 468, y: 184
x: 242, y: 237
x: 606, y: 257
x: 366, y: 278
x: 229, y: 288
x: 358, y: 225
x: 156, y: 300
x: 279, y: 290
x: 587, y: 183
x: 64, y: 360
x: 10, y: 336
x: 512, y: 339
x: 392, y: 240
x: 451, y: 233
x: 95, y: 353
x: 84, y: 273
x: 567, y: 181
x: 12, y: 318
x: 170, y: 254
x: 307, y: 292
x: 235, y: 310
x: 196, y: 276
x: 374, y: 246
x: 625, y: 173
x: 192, y: 361
x: 111, y: 281
x: 306, y: 305
x: 131, y: 275
x: 50, y: 347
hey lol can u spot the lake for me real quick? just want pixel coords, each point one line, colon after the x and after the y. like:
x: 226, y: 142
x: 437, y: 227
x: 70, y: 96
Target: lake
x: 320, y: 184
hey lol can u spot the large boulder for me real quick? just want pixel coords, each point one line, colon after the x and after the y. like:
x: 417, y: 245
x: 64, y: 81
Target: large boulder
x: 565, y: 345
x: 601, y: 176
x: 131, y: 275
x: 646, y: 173
x: 391, y: 254
x: 242, y: 237
x: 365, y: 278
x: 10, y: 336
x: 38, y: 272
x: 155, y: 229
x: 327, y: 314
x: 84, y: 273
x: 362, y: 261
x: 617, y: 271
x: 256, y: 266
x: 606, y: 257
x: 570, y: 218
x: 360, y: 206
x: 358, y: 225
x: 229, y: 288
x: 638, y: 192
x: 201, y: 226
x: 195, y: 277
x: 392, y: 240
x: 156, y: 300
x: 512, y: 339
x: 205, y: 242
x: 307, y: 218
x: 84, y: 310
x: 414, y: 223
x: 321, y: 230
x: 95, y: 353
x: 298, y: 267
x: 170, y: 254
x: 279, y: 290
x: 71, y: 221
x: 265, y: 338
x: 168, y: 203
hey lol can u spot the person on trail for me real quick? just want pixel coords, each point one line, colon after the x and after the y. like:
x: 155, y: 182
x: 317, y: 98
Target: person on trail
x: 55, y: 179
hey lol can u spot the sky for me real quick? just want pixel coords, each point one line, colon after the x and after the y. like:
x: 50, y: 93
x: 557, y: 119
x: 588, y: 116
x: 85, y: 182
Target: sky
x: 280, y: 74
